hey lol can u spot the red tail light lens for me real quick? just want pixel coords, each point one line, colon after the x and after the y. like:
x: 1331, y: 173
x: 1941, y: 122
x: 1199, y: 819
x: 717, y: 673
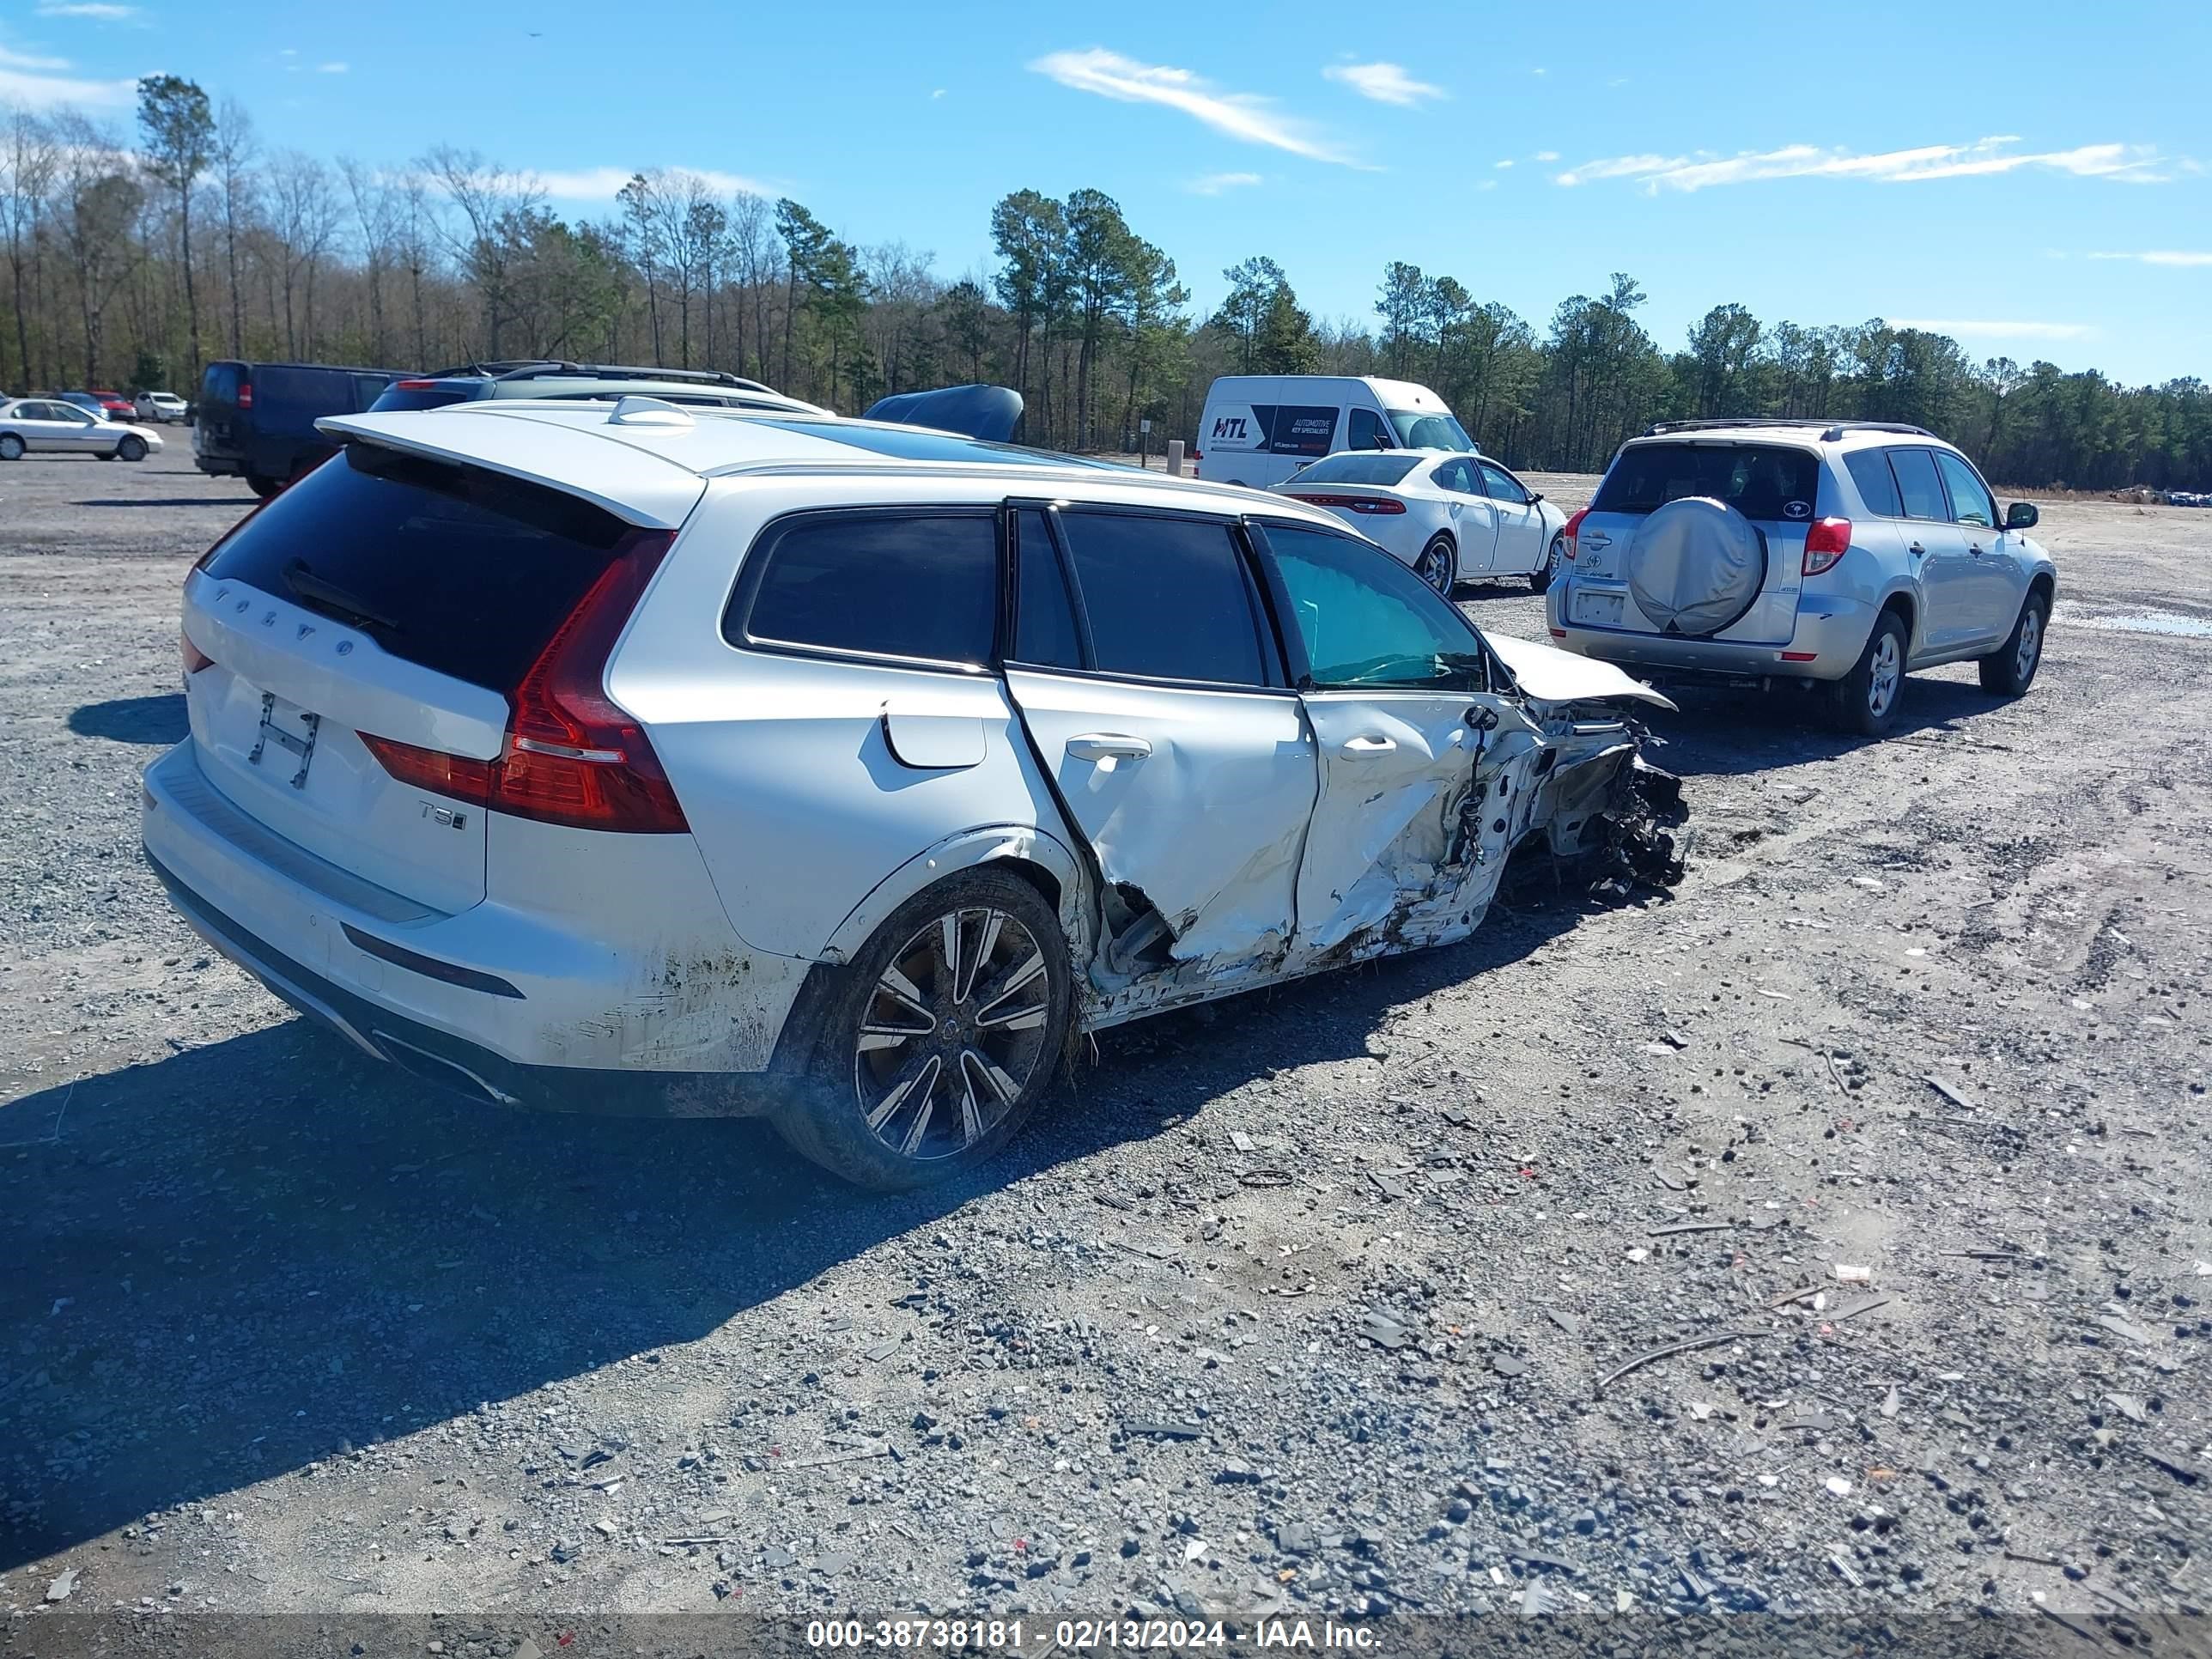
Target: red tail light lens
x: 571, y: 757
x: 1573, y: 524
x: 1369, y: 504
x: 195, y: 659
x: 1826, y: 540
x: 246, y: 394
x: 415, y: 385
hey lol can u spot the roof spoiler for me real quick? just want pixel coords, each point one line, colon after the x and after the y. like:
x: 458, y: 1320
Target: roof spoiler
x: 987, y: 412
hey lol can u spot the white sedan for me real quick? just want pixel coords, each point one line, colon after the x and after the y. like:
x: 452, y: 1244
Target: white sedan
x: 1451, y: 518
x: 27, y: 424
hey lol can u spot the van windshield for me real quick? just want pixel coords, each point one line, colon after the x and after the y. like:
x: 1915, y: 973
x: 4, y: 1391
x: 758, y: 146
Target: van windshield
x: 1419, y: 428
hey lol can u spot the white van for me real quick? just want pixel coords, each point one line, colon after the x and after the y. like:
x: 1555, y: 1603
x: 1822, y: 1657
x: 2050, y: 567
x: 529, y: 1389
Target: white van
x: 1258, y: 429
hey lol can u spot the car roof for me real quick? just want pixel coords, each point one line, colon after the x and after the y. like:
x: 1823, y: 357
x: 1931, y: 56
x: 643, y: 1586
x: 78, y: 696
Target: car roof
x: 646, y: 461
x: 1826, y: 434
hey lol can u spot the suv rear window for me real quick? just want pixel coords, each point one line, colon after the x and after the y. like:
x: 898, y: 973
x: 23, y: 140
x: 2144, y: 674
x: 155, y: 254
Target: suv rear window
x: 895, y: 584
x: 464, y: 571
x: 1760, y: 481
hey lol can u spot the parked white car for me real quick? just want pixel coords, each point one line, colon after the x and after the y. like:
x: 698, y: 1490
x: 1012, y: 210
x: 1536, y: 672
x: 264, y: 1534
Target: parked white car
x: 826, y: 769
x: 50, y: 424
x: 1449, y: 518
x: 1259, y: 429
x: 161, y: 406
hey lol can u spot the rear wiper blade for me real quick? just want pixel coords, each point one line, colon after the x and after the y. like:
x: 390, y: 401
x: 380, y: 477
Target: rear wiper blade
x: 332, y: 599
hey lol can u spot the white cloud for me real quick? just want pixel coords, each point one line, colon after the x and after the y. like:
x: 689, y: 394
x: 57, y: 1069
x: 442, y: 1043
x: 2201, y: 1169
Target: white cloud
x: 2125, y: 163
x: 333, y: 68
x: 31, y: 82
x: 1979, y: 329
x: 1238, y: 114
x: 1545, y: 156
x: 2165, y: 257
x: 1386, y: 83
x: 602, y: 184
x: 1214, y: 183
x: 98, y: 11
x: 1501, y: 165
x: 936, y: 94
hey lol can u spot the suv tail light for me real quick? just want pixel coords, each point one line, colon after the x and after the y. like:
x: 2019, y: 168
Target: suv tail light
x: 571, y: 757
x: 1826, y: 540
x: 1570, y: 527
x: 1369, y: 504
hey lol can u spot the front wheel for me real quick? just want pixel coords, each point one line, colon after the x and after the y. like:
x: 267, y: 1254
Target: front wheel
x: 1865, y: 701
x: 131, y: 449
x: 1439, y: 566
x: 11, y: 446
x: 941, y: 1037
x: 1554, y: 561
x: 2010, y: 669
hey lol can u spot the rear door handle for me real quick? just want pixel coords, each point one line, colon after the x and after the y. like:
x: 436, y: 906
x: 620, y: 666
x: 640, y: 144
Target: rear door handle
x: 1365, y: 748
x: 1108, y: 746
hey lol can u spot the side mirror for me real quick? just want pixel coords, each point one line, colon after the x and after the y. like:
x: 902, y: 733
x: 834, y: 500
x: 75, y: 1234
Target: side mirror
x: 1534, y: 497
x: 2021, y: 515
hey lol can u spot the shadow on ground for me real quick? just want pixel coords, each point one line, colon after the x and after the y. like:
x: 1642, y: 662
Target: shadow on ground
x: 160, y: 720
x: 236, y: 1260
x: 166, y: 500
x: 1727, y: 733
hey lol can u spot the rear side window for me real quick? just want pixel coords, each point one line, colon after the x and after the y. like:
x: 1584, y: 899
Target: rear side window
x: 1922, y: 491
x: 1869, y: 470
x: 1044, y: 631
x: 1760, y: 481
x: 922, y: 585
x: 464, y: 571
x: 1166, y: 598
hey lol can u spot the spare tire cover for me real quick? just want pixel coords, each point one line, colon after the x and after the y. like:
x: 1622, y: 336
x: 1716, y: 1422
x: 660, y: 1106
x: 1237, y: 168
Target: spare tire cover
x: 1696, y: 566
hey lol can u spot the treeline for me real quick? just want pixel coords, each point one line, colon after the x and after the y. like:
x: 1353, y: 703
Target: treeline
x: 134, y: 257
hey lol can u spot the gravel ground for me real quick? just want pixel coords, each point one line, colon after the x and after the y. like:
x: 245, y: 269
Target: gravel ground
x: 1341, y: 1299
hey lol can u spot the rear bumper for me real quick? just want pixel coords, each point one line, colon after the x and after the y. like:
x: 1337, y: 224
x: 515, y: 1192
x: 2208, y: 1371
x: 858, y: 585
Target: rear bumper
x: 1830, y: 632
x: 482, y: 1002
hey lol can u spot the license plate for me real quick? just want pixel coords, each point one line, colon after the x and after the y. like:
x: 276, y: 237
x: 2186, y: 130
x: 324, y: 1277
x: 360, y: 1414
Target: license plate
x: 286, y: 739
x: 1598, y: 609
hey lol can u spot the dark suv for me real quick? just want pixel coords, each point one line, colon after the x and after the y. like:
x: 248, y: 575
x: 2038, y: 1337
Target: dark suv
x: 256, y: 420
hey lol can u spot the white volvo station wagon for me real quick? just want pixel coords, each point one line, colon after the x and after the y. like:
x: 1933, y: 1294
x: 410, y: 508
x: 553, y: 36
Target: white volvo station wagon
x: 630, y: 758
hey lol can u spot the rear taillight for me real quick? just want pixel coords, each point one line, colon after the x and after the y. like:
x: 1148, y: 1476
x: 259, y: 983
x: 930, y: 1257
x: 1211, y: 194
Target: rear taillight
x: 195, y: 659
x: 1573, y: 524
x: 246, y: 394
x: 1826, y: 540
x: 571, y: 757
x: 1374, y: 505
x: 415, y: 386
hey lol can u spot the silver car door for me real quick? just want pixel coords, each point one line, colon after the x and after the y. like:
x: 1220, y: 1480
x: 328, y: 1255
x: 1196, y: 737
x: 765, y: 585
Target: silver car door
x: 42, y: 426
x: 1936, y: 548
x: 1995, y: 581
x: 1419, y: 760
x: 1162, y: 713
x: 82, y: 431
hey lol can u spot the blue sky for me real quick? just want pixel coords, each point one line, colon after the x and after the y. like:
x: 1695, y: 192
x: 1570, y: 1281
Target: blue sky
x: 2034, y: 178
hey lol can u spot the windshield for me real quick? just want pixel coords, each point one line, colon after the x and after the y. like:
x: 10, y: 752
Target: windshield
x: 1353, y: 468
x: 1424, y: 430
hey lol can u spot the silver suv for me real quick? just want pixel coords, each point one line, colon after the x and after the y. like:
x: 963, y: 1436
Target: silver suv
x: 1842, y: 554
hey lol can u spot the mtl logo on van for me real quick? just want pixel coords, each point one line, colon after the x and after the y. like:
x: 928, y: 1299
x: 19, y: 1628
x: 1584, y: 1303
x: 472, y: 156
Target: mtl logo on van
x: 1229, y: 426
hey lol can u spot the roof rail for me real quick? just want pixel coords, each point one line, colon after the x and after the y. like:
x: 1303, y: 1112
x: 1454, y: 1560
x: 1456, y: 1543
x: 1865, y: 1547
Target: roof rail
x: 551, y: 367
x: 1829, y: 430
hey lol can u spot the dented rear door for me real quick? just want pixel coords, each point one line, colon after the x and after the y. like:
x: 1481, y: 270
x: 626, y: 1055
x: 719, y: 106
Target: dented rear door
x: 1156, y: 702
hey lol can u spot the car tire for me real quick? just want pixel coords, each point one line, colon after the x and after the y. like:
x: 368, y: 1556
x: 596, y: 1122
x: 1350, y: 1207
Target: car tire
x: 2009, y: 670
x: 11, y: 446
x: 131, y: 449
x: 1555, y: 559
x: 1865, y: 701
x: 1438, y: 565
x: 995, y: 1040
x: 263, y: 485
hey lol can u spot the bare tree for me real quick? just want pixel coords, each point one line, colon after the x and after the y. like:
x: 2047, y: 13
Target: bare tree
x: 99, y: 203
x: 234, y: 152
x: 180, y: 132
x: 29, y: 162
x: 306, y: 216
x: 495, y: 207
x: 375, y: 213
x: 753, y: 257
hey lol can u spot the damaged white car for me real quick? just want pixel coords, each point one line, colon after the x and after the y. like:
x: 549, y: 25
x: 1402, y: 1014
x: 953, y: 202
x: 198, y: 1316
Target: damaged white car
x: 638, y: 758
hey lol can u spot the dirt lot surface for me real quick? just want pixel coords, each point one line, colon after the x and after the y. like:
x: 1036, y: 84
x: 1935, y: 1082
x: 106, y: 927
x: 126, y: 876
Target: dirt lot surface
x: 1348, y: 1298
